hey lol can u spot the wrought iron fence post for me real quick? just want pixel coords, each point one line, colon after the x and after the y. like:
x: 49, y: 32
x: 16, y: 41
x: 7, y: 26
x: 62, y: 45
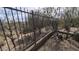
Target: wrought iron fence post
x: 39, y: 23
x: 22, y: 25
x: 42, y: 21
x: 34, y: 28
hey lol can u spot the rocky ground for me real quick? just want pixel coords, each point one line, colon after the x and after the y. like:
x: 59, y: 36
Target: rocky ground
x: 24, y: 41
x: 53, y: 44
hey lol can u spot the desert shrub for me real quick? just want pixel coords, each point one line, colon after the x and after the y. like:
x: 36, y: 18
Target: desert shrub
x: 55, y: 25
x: 67, y: 28
x: 28, y: 39
x: 27, y: 29
x: 46, y: 28
x: 76, y: 36
x: 61, y: 23
x: 67, y: 25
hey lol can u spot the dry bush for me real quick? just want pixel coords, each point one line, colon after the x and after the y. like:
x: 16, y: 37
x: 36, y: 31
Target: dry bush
x: 76, y: 36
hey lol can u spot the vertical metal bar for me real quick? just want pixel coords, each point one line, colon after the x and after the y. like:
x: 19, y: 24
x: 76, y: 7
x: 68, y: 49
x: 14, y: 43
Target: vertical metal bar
x: 34, y: 27
x: 28, y: 19
x: 39, y: 23
x: 25, y: 18
x: 23, y: 25
x: 4, y: 34
x: 25, y: 22
x: 48, y: 21
x: 22, y: 17
x: 10, y: 29
x: 28, y: 23
x: 19, y: 25
x: 1, y: 39
x: 15, y: 27
x: 42, y: 21
x: 2, y: 30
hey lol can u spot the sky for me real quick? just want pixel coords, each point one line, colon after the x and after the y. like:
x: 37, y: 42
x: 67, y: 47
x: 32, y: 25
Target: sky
x: 2, y: 13
x: 3, y: 17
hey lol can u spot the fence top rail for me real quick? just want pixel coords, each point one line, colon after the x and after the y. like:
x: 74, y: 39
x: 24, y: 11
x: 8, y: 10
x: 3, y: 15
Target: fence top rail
x: 27, y: 12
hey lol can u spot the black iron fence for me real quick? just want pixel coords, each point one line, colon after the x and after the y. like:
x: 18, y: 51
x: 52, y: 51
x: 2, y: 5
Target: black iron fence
x: 19, y: 29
